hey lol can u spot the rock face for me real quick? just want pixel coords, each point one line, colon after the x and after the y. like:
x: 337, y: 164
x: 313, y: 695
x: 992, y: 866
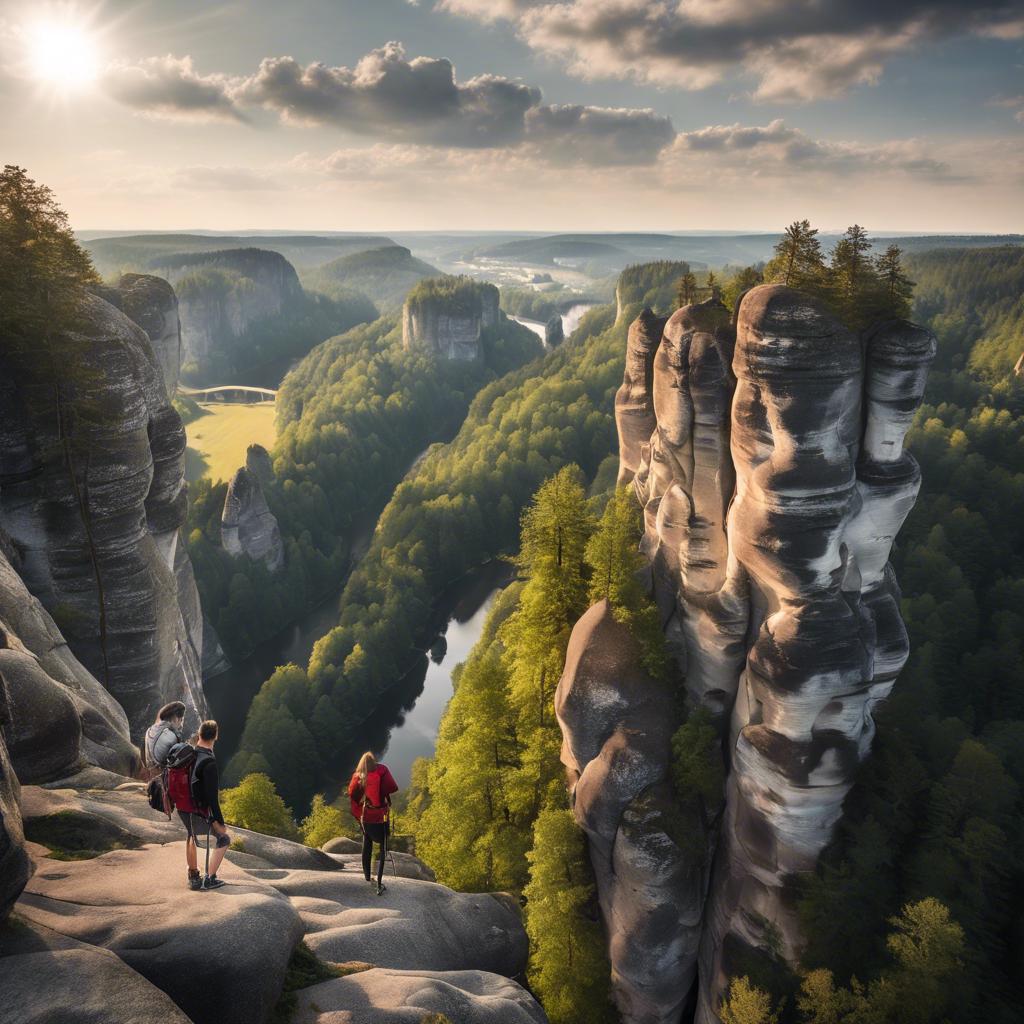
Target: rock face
x: 221, y: 295
x: 773, y: 482
x: 60, y: 718
x: 247, y: 526
x: 554, y: 333
x: 15, y: 867
x: 92, y: 494
x: 449, y: 320
x: 150, y: 301
x: 126, y: 915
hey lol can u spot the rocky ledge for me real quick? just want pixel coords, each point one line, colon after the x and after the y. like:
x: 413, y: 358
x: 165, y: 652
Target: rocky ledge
x: 247, y: 526
x: 106, y: 921
x: 447, y: 316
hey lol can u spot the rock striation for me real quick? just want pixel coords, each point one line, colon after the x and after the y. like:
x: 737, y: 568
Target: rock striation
x: 150, y: 301
x: 447, y: 317
x: 767, y: 454
x: 223, y: 294
x: 92, y: 495
x: 247, y: 526
x: 15, y: 866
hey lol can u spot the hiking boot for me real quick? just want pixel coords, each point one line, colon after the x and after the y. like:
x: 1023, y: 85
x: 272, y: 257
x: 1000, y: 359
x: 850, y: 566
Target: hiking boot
x: 195, y: 881
x: 381, y: 888
x: 212, y: 882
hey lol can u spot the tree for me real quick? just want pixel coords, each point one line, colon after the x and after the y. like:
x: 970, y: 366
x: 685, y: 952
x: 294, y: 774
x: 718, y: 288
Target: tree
x: 323, y: 823
x: 697, y: 769
x: 569, y: 968
x: 687, y: 289
x: 712, y: 285
x: 897, y: 288
x: 744, y: 280
x: 255, y: 805
x: 745, y: 1004
x: 614, y: 559
x: 854, y: 283
x: 798, y: 260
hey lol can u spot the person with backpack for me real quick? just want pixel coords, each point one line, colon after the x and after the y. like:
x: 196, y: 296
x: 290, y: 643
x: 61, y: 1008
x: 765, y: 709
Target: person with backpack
x: 369, y: 793
x: 163, y: 734
x: 194, y: 789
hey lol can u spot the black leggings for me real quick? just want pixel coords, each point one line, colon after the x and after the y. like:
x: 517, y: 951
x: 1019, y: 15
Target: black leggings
x: 374, y: 832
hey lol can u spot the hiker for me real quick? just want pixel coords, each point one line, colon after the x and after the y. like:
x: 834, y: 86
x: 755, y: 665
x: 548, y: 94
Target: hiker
x: 370, y: 799
x: 194, y: 788
x: 164, y: 733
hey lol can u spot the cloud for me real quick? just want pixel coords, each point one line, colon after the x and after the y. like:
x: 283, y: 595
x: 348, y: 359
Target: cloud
x: 796, y: 50
x: 386, y: 95
x: 223, y: 179
x: 170, y: 87
x: 776, y: 148
x: 605, y: 136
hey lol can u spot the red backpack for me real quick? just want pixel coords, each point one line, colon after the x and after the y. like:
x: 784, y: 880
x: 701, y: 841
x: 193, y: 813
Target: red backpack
x: 183, y: 763
x: 371, y: 805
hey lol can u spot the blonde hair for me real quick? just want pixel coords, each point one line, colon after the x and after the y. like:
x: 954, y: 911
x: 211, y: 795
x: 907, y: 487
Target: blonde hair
x: 366, y: 764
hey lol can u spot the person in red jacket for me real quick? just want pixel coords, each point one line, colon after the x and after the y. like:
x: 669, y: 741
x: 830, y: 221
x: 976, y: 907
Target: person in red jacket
x: 369, y: 795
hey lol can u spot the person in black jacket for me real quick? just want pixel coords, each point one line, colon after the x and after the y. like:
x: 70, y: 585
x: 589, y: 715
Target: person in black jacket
x: 207, y: 789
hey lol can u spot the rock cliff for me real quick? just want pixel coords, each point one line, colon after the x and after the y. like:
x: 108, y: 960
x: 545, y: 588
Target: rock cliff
x: 92, y: 495
x: 554, y: 332
x: 247, y: 526
x: 447, y: 316
x: 767, y: 454
x: 221, y: 295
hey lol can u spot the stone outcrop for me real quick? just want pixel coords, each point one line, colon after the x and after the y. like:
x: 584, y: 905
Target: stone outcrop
x: 768, y: 457
x: 124, y: 913
x: 554, y: 333
x: 15, y: 867
x: 448, y: 320
x: 92, y: 495
x: 247, y: 526
x: 60, y: 718
x: 221, y: 295
x: 150, y: 301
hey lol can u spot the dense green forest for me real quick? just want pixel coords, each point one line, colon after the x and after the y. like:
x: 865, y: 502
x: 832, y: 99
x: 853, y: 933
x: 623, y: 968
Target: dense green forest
x: 458, y: 510
x: 352, y: 416
x: 384, y: 275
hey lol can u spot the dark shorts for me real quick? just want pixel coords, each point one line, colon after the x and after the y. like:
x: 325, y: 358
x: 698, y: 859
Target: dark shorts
x: 197, y: 826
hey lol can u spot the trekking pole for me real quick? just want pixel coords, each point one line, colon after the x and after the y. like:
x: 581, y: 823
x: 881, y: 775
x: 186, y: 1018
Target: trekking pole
x: 387, y: 844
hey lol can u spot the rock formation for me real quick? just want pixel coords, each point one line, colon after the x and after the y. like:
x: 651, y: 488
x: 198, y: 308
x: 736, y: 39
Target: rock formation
x: 221, y: 295
x: 92, y: 495
x: 114, y: 917
x: 447, y: 316
x: 768, y: 458
x: 60, y: 718
x: 247, y: 526
x: 15, y: 867
x: 150, y: 301
x: 554, y: 334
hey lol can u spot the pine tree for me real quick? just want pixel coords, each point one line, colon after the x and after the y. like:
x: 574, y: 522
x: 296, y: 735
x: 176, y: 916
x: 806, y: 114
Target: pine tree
x: 798, y: 260
x: 614, y: 559
x: 712, y: 285
x: 687, y: 289
x: 568, y: 965
x: 897, y: 288
x: 854, y: 283
x: 746, y: 1004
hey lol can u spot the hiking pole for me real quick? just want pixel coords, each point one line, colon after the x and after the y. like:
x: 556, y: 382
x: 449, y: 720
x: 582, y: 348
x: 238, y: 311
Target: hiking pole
x: 387, y: 844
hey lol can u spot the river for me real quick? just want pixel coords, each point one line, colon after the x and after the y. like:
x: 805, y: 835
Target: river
x: 570, y: 320
x: 405, y: 726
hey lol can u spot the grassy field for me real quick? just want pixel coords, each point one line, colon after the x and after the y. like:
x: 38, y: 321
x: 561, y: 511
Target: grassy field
x: 217, y: 440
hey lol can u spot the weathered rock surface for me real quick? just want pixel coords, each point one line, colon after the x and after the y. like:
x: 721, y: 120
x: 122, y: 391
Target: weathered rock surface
x: 410, y: 997
x: 450, y: 327
x: 616, y: 749
x: 92, y: 494
x: 60, y: 718
x: 554, y: 333
x: 15, y: 867
x: 221, y: 295
x: 150, y: 301
x: 47, y: 978
x: 221, y: 955
x: 247, y: 526
x: 768, y: 459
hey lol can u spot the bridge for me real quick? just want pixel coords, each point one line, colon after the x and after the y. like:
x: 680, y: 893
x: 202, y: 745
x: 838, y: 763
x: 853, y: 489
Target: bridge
x: 241, y: 393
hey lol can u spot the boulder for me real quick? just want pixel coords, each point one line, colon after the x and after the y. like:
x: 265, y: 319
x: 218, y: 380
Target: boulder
x: 402, y: 865
x: 221, y: 956
x: 247, y: 526
x: 554, y: 332
x: 634, y: 401
x: 342, y: 844
x: 383, y: 996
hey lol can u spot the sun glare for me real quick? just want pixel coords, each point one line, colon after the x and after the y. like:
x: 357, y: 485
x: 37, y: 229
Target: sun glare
x: 62, y: 54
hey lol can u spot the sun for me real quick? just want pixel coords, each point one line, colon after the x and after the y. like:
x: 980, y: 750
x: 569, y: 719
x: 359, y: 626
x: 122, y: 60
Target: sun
x: 62, y: 54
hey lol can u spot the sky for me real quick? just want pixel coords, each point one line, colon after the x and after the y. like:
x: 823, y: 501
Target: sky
x: 581, y: 115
